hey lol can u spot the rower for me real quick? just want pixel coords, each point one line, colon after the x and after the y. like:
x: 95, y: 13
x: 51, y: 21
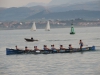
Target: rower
x: 70, y: 47
x: 26, y: 48
x: 16, y: 47
x: 52, y: 47
x: 35, y: 48
x: 45, y: 47
x: 61, y: 47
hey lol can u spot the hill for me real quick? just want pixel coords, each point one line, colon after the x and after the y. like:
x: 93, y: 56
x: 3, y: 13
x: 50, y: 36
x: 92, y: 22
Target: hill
x: 88, y: 10
x: 20, y: 13
x: 93, y: 5
x: 85, y: 14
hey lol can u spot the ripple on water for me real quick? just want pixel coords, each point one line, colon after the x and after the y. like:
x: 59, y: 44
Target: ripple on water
x: 87, y: 63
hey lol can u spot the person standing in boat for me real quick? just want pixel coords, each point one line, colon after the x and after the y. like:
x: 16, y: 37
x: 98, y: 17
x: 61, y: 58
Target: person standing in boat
x: 81, y: 44
x: 45, y: 47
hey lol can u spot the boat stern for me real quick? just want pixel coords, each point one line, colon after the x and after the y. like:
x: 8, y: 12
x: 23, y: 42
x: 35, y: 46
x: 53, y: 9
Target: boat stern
x: 92, y: 48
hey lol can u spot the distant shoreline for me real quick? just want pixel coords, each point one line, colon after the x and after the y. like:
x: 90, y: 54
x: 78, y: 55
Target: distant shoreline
x: 51, y: 27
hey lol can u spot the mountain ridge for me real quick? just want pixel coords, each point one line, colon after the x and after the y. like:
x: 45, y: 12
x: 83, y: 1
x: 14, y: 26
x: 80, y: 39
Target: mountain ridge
x: 86, y: 14
x: 52, y: 12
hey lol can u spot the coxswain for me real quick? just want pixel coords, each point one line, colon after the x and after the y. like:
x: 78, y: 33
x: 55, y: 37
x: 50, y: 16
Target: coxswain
x: 81, y: 44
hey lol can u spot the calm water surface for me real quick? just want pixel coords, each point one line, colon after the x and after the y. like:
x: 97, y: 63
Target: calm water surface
x: 87, y: 63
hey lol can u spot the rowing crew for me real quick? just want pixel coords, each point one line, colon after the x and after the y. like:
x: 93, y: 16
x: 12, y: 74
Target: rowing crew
x: 46, y: 48
x: 53, y: 48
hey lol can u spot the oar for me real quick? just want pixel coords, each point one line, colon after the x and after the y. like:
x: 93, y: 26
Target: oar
x: 85, y: 45
x: 91, y: 46
x: 97, y: 46
x: 81, y: 51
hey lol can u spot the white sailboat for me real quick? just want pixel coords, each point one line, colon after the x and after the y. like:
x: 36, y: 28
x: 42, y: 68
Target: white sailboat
x: 33, y: 27
x: 48, y: 26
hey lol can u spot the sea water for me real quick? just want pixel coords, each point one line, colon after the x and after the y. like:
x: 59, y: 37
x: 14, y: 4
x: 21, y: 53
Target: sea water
x: 87, y: 63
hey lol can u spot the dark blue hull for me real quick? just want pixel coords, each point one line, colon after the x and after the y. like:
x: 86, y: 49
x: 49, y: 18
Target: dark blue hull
x: 13, y: 51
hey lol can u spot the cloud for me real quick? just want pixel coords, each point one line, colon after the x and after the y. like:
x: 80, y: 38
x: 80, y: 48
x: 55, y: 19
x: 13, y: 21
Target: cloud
x: 58, y: 2
x: 98, y: 1
x: 19, y: 3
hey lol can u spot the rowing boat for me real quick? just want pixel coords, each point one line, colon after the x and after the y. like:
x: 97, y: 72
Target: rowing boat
x: 14, y: 51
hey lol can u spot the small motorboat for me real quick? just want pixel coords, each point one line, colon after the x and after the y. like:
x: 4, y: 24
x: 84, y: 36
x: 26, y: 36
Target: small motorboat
x: 30, y: 40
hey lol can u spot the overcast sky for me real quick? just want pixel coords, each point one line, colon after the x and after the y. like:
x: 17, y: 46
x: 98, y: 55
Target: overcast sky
x: 19, y: 3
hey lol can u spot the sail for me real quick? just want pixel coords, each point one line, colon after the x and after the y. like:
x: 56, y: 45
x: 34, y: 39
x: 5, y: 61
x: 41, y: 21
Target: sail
x: 48, y: 26
x: 33, y: 27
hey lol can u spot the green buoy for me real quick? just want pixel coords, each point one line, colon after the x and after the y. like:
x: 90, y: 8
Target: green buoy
x: 72, y: 29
